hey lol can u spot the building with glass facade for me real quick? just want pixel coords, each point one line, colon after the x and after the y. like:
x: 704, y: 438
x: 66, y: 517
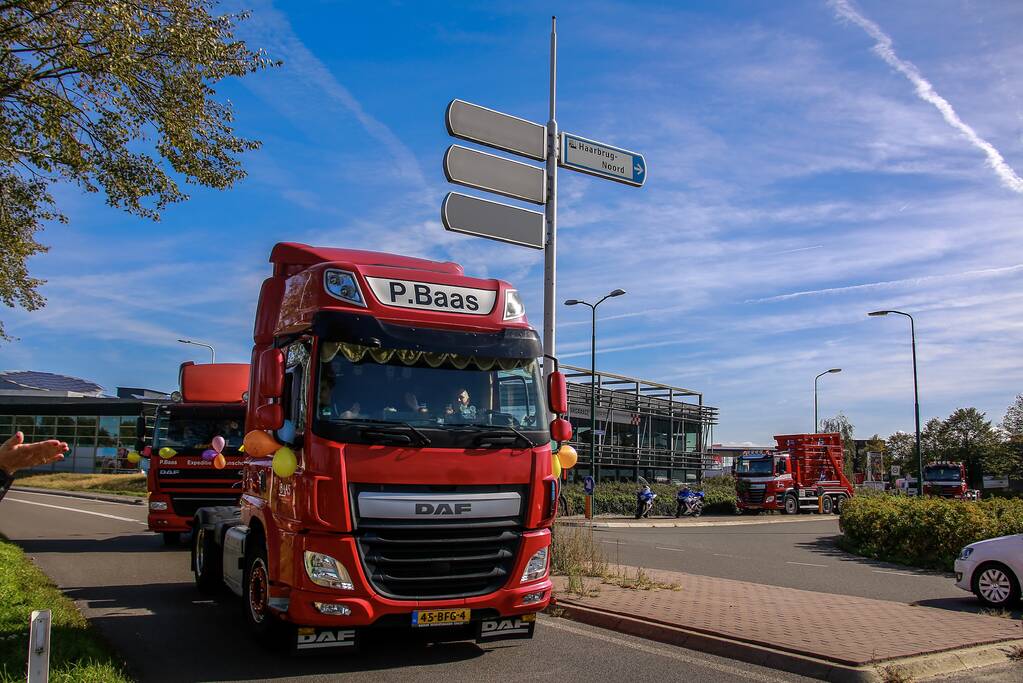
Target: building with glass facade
x: 643, y: 429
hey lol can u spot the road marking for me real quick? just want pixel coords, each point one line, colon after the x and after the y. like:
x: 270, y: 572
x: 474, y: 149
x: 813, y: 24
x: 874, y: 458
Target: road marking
x: 677, y: 550
x: 84, y: 512
x: 22, y: 492
x: 734, y: 557
x: 807, y: 564
x: 670, y: 651
x: 614, y: 542
x: 885, y: 571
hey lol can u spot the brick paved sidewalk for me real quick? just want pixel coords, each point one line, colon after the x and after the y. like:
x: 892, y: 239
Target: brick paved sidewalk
x: 844, y: 629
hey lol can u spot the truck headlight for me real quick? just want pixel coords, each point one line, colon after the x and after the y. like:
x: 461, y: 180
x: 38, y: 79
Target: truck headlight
x: 158, y: 505
x: 513, y: 306
x: 967, y: 551
x: 324, y: 570
x: 536, y: 568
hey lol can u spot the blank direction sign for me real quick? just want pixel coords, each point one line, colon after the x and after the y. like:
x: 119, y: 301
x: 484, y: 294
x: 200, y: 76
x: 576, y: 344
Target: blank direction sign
x: 495, y: 174
x: 494, y: 220
x: 494, y: 129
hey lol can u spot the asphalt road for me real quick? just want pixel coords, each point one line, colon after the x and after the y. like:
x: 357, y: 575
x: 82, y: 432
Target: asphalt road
x: 796, y: 555
x: 141, y: 597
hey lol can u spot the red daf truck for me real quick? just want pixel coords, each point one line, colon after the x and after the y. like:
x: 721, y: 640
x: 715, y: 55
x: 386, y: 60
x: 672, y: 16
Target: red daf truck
x: 803, y: 474
x: 416, y: 487
x: 209, y: 403
x: 948, y: 480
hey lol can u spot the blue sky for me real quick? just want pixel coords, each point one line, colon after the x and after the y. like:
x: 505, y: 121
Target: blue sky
x: 808, y: 162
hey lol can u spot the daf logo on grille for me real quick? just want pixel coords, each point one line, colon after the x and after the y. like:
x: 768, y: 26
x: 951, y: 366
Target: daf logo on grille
x: 443, y: 508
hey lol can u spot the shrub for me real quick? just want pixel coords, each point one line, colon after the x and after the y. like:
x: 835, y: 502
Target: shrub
x: 620, y: 498
x: 924, y: 532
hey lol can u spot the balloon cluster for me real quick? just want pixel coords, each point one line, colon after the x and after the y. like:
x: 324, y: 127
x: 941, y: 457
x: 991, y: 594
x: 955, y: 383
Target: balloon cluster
x: 259, y: 444
x: 214, y: 454
x: 564, y: 459
x: 134, y: 456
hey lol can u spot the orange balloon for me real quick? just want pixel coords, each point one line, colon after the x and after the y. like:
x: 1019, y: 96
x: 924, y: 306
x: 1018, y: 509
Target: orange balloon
x: 567, y: 456
x: 220, y: 461
x: 259, y: 444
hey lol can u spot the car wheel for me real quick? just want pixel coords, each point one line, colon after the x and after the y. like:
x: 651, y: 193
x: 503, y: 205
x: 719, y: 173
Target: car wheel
x: 206, y: 560
x: 995, y: 584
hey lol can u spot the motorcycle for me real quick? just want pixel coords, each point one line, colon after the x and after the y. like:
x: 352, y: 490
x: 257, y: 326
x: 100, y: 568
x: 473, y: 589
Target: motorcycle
x: 644, y: 502
x: 690, y: 504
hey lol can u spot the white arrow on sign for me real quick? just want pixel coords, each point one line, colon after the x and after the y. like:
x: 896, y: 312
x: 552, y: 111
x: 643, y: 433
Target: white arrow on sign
x: 495, y: 174
x: 494, y: 220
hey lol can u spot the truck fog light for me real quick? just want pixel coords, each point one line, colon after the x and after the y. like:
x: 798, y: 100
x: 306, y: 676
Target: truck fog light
x: 769, y: 499
x: 324, y: 570
x: 158, y: 505
x: 331, y: 608
x: 536, y: 568
x: 530, y: 598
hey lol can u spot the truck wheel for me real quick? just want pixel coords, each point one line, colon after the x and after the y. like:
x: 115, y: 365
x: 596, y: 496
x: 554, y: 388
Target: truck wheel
x: 256, y: 593
x: 171, y: 538
x: 839, y: 502
x: 791, y: 505
x: 828, y: 505
x: 995, y: 585
x: 207, y: 561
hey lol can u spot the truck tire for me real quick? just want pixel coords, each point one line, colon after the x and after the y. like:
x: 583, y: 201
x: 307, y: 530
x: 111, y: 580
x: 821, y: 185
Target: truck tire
x: 262, y: 622
x: 207, y: 560
x: 995, y: 585
x: 171, y: 539
x: 839, y: 502
x: 791, y: 505
x: 827, y: 505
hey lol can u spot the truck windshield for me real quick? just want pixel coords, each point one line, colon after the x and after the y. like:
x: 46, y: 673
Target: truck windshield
x: 942, y: 473
x: 186, y: 430
x: 358, y: 384
x: 754, y: 467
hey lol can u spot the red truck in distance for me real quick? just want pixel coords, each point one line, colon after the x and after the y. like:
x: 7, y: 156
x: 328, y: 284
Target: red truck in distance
x: 209, y: 403
x: 947, y: 480
x: 804, y: 474
x: 412, y: 485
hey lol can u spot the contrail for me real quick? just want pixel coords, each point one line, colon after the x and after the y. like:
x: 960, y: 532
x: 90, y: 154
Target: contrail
x: 926, y: 92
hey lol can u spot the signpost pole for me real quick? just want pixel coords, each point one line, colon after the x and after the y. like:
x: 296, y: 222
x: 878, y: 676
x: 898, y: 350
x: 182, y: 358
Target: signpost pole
x: 551, y: 211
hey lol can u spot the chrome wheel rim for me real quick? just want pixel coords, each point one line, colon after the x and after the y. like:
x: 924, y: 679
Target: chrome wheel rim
x: 200, y: 554
x: 994, y: 585
x: 258, y: 591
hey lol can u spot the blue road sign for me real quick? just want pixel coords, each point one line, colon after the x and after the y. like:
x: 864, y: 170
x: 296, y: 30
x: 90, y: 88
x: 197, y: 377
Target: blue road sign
x: 602, y: 160
x: 588, y: 485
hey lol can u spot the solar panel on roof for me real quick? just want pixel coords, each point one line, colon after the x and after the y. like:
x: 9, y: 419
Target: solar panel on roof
x: 48, y: 381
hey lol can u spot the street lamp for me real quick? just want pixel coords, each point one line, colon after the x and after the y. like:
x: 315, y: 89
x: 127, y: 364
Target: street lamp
x: 916, y: 398
x: 213, y: 353
x: 593, y: 376
x: 816, y: 422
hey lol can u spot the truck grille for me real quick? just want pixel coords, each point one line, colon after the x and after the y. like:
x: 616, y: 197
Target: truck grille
x: 421, y: 564
x: 186, y: 505
x: 753, y: 495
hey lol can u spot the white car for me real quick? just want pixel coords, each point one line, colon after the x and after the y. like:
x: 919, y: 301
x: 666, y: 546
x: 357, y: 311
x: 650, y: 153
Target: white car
x: 991, y: 569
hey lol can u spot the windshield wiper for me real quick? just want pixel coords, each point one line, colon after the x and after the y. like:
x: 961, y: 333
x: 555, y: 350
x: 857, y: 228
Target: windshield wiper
x: 395, y: 429
x: 497, y: 434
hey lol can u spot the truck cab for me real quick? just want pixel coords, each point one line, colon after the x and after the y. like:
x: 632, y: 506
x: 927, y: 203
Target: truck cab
x: 411, y: 481
x: 947, y: 480
x: 208, y: 403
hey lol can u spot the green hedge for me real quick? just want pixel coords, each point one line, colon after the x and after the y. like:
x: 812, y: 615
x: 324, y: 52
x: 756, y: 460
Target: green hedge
x: 924, y: 532
x: 620, y: 498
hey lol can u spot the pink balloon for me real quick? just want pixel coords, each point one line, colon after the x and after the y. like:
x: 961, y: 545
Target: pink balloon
x: 218, y: 443
x: 147, y: 451
x: 209, y: 454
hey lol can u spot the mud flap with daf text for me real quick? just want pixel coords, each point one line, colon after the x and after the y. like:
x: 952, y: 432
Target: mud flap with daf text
x: 309, y: 639
x: 506, y: 628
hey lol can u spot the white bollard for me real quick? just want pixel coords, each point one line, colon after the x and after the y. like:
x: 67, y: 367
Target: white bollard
x: 39, y: 647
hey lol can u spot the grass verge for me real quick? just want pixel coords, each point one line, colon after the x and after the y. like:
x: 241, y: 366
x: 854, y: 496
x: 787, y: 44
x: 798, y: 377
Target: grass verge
x: 77, y: 653
x: 120, y: 484
x: 578, y: 557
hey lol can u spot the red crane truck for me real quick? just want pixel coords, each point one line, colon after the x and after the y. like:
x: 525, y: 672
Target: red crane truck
x: 948, y: 480
x: 803, y: 474
x: 209, y: 403
x: 417, y: 486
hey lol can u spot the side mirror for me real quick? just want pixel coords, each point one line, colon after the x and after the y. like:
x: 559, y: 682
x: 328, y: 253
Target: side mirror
x: 561, y: 430
x: 270, y: 416
x: 271, y: 375
x: 557, y: 393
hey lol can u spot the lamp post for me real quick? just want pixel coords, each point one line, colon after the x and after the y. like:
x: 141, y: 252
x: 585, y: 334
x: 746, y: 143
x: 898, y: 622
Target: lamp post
x: 916, y: 399
x: 593, y: 376
x: 213, y: 353
x: 816, y: 422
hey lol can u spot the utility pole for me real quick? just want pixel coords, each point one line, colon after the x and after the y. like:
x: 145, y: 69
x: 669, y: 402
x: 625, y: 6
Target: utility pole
x: 551, y: 212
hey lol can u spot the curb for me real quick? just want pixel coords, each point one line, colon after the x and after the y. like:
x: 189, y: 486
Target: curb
x: 926, y: 665
x: 671, y: 523
x: 106, y: 498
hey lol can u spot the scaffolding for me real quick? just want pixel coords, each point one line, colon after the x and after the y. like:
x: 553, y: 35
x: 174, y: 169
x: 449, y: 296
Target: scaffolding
x: 643, y: 428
